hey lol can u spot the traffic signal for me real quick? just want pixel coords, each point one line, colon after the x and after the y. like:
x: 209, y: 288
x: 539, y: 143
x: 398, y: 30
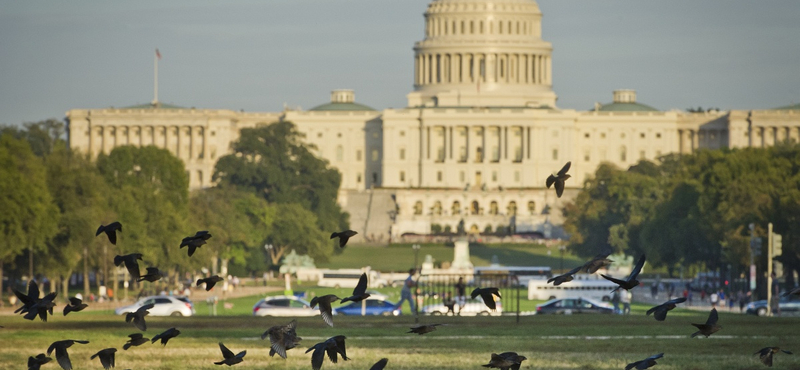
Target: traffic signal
x: 777, y: 245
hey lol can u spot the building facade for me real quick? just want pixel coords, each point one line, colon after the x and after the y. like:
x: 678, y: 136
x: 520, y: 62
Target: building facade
x: 479, y: 136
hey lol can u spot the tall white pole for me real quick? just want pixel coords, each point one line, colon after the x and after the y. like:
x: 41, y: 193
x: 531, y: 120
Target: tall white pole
x: 155, y: 78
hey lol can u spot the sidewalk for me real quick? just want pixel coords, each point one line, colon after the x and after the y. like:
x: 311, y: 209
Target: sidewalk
x: 643, y: 296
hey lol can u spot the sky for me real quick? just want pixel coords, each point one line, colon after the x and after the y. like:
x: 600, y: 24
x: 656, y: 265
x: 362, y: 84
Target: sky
x: 262, y: 55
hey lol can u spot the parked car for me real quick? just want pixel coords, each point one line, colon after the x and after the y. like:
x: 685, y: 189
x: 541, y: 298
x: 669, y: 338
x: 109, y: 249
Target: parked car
x: 164, y: 305
x: 473, y: 307
x: 374, y: 306
x: 789, y: 306
x: 283, y: 305
x: 568, y: 306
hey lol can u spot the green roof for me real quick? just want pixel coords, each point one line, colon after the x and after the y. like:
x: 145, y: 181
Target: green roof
x: 158, y: 105
x: 626, y: 107
x: 789, y: 107
x: 342, y: 107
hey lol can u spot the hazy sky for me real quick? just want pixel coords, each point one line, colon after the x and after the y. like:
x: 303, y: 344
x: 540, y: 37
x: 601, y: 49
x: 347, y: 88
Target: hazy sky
x: 258, y: 55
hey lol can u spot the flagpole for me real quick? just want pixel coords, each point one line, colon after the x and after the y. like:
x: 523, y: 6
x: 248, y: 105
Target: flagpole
x: 155, y: 78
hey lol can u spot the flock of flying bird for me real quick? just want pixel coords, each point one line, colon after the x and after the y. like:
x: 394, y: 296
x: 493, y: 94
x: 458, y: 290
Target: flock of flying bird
x: 284, y: 337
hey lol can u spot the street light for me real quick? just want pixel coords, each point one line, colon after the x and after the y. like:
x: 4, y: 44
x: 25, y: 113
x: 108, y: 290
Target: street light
x: 416, y: 255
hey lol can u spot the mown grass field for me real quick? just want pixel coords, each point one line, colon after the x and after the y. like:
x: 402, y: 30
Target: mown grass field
x: 549, y: 342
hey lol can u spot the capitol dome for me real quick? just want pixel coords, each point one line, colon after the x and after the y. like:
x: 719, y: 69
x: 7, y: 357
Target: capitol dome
x: 483, y: 53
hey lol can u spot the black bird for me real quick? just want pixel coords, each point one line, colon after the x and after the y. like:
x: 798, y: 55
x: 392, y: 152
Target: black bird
x: 325, y: 307
x: 75, y: 305
x: 137, y: 339
x: 106, y: 357
x: 506, y: 361
x: 567, y: 277
x: 344, y: 236
x: 380, y: 364
x: 765, y: 354
x: 487, y: 296
x: 228, y: 357
x: 42, y: 307
x: 210, y: 281
x: 599, y: 261
x: 110, y: 230
x: 360, y: 291
x: 152, y: 275
x: 195, y: 241
x: 166, y: 336
x: 644, y: 364
x: 558, y: 179
x: 710, y: 327
x: 27, y: 300
x: 138, y: 316
x: 630, y: 282
x: 662, y: 309
x: 282, y: 338
x: 423, y: 329
x: 130, y: 263
x: 34, y: 363
x: 332, y: 346
x: 61, y: 351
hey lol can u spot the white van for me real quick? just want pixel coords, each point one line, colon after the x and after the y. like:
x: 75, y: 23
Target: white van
x: 583, y: 286
x: 348, y: 278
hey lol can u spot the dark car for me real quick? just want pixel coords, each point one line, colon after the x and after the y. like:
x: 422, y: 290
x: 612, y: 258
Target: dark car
x: 789, y: 306
x: 374, y: 306
x: 568, y: 306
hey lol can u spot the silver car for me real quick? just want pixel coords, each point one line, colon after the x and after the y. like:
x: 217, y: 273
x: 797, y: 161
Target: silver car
x: 163, y: 305
x: 283, y: 305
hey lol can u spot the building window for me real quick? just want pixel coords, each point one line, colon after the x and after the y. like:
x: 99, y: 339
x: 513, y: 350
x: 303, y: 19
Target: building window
x: 512, y: 208
x: 418, y: 208
x: 402, y: 153
x: 532, y: 207
x: 475, y: 209
x: 374, y: 177
x: 658, y: 135
x: 586, y: 135
x: 493, y: 208
x: 462, y: 154
x: 439, y: 176
x: 641, y: 135
x: 623, y: 154
x: 213, y: 133
x: 402, y: 133
x: 494, y: 176
x: 358, y: 155
x: 402, y: 176
x: 516, y: 176
x: 339, y: 134
x: 374, y: 155
x: 586, y: 156
x: 339, y: 153
x: 456, y: 209
x: 602, y: 135
x: 358, y: 178
x: 319, y: 134
x: 622, y: 135
x: 437, y: 208
x: 555, y: 154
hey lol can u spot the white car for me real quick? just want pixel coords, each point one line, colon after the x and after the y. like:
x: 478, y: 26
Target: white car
x: 473, y: 307
x: 163, y: 305
x: 283, y: 305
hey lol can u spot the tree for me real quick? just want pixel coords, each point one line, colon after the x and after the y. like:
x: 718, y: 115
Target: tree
x: 273, y: 161
x: 295, y: 228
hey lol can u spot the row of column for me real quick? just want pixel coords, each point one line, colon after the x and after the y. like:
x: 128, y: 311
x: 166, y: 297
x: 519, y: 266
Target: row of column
x: 173, y: 138
x: 504, y: 143
x: 763, y: 136
x: 436, y: 26
x: 447, y: 68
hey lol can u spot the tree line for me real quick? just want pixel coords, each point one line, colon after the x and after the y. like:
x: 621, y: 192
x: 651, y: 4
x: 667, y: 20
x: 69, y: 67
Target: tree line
x: 271, y: 195
x: 693, y: 210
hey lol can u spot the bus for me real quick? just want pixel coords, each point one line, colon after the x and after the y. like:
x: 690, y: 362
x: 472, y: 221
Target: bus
x: 348, y: 278
x: 584, y: 286
x: 522, y: 274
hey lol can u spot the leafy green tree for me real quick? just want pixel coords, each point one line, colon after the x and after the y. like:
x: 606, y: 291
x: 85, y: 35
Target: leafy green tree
x: 295, y: 228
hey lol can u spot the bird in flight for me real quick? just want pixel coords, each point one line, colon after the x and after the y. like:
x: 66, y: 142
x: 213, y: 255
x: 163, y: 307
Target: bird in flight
x: 662, y: 309
x: 61, y: 351
x: 599, y: 261
x: 567, y: 277
x: 75, y: 305
x: 765, y: 354
x: 209, y: 281
x: 325, y: 307
x: 42, y: 307
x: 137, y: 339
x: 506, y: 361
x: 282, y: 338
x: 360, y: 291
x: 34, y: 363
x: 106, y: 357
x: 130, y: 263
x: 343, y: 236
x: 630, y: 282
x: 195, y: 241
x: 380, y: 364
x: 137, y: 317
x: 152, y: 275
x: 110, y: 230
x: 424, y: 329
x: 487, y: 296
x: 644, y: 364
x: 27, y: 300
x: 558, y: 179
x: 710, y: 327
x: 333, y: 346
x: 166, y: 336
x: 228, y: 357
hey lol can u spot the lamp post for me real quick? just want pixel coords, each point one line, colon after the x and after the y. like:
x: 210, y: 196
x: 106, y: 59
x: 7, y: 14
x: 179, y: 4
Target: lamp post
x: 561, y: 249
x: 416, y: 255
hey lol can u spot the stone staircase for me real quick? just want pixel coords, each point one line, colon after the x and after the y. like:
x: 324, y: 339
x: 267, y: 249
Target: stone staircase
x: 370, y: 213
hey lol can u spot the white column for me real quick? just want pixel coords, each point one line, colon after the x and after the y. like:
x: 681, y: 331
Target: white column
x: 548, y: 71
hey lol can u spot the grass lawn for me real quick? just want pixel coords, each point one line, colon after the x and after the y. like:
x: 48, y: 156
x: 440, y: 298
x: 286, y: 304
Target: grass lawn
x: 550, y: 342
x: 400, y: 257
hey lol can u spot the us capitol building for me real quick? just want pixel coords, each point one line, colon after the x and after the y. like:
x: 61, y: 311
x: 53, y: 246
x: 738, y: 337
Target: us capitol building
x: 481, y: 133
